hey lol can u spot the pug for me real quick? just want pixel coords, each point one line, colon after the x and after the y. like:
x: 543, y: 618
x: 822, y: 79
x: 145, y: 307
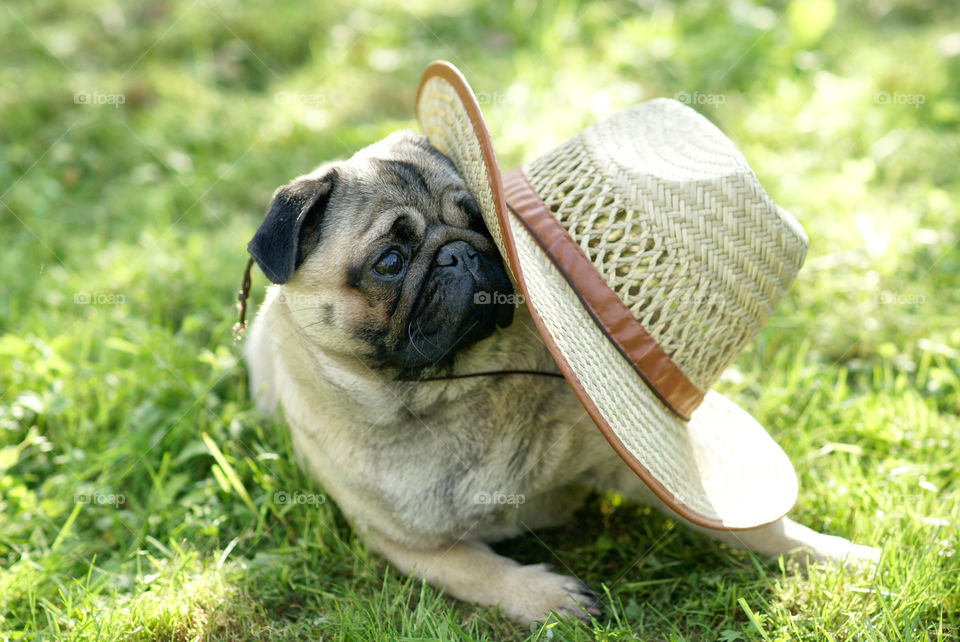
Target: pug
x: 419, y: 393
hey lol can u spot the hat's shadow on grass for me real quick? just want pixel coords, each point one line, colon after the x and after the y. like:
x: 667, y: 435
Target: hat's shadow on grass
x: 652, y: 572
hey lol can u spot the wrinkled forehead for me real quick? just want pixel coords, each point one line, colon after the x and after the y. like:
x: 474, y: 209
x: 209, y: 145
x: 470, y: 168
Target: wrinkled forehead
x: 380, y: 197
x: 424, y: 189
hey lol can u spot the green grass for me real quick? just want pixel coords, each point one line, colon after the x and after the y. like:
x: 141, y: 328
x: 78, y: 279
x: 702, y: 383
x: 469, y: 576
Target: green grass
x: 119, y: 520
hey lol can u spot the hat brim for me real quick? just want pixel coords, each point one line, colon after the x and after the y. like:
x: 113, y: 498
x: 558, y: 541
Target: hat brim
x: 720, y: 469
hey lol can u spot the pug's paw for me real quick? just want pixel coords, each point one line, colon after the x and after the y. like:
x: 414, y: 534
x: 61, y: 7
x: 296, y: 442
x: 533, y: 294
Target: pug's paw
x: 830, y: 549
x: 534, y: 592
x: 862, y: 556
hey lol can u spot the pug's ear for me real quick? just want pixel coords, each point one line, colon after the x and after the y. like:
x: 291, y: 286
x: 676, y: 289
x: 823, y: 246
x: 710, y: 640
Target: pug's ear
x: 291, y: 228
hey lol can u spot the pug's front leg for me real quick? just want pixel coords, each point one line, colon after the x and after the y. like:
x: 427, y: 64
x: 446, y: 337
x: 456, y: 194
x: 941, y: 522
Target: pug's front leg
x: 470, y: 571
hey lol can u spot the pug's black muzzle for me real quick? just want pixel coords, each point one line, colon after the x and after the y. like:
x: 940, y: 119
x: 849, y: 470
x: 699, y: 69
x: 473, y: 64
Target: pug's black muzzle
x: 456, y: 293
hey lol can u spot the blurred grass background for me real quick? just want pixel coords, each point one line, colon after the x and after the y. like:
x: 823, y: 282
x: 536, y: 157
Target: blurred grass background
x: 139, y: 145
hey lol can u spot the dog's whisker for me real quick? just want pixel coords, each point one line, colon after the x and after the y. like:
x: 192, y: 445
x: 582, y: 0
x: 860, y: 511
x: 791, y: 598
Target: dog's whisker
x: 413, y: 341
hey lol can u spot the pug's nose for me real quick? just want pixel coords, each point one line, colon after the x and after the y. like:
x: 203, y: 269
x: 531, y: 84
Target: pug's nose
x: 457, y: 253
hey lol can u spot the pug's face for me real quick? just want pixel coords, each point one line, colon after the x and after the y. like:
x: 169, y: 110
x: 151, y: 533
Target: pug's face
x: 385, y: 257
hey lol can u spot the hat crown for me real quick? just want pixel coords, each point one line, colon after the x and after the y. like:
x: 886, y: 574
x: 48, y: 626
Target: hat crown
x: 675, y: 221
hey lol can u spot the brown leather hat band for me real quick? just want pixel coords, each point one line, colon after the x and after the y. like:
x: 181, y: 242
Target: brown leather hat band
x: 656, y: 368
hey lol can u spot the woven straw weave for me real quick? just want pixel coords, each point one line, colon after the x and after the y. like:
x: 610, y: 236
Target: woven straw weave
x: 679, y: 228
x: 698, y: 461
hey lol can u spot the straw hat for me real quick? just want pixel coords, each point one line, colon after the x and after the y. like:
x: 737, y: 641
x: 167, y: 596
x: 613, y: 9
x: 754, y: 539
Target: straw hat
x: 649, y: 256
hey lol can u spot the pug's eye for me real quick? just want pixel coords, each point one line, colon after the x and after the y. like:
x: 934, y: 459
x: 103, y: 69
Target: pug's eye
x: 389, y: 265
